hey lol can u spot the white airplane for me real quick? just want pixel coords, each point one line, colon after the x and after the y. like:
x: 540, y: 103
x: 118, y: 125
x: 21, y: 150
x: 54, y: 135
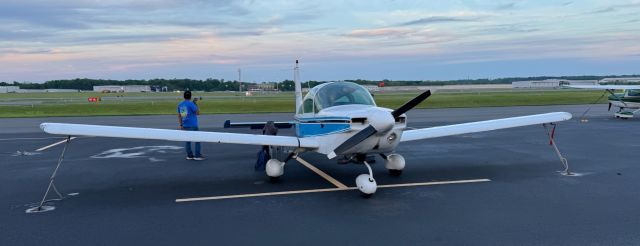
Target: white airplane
x: 334, y: 119
x: 628, y: 101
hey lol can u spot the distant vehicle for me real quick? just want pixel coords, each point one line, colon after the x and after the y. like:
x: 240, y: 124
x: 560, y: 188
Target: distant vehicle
x: 627, y: 102
x: 334, y: 119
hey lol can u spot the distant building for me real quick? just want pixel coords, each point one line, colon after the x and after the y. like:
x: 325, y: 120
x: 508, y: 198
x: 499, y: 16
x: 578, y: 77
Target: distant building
x: 262, y: 87
x: 122, y: 88
x: 371, y: 87
x: 8, y: 89
x: 551, y: 83
x: 620, y: 80
x: 45, y: 90
x: 158, y: 88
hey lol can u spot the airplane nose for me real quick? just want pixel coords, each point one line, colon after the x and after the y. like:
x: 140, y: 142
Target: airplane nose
x: 381, y: 120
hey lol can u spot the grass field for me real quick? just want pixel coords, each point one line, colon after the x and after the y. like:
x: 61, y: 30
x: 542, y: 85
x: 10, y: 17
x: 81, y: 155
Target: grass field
x: 75, y: 104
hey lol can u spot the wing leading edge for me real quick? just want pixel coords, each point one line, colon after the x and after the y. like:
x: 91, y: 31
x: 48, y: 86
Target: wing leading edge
x: 481, y: 126
x: 175, y: 135
x: 607, y: 87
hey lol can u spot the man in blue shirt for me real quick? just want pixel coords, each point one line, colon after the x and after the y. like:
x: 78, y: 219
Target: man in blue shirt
x: 188, y: 118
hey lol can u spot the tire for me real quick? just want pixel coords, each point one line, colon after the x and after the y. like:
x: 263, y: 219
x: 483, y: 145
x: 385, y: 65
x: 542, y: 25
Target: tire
x: 395, y: 173
x: 274, y: 179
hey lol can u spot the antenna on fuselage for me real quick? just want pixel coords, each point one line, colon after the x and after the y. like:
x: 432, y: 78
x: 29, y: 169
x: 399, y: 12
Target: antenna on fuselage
x: 298, y: 87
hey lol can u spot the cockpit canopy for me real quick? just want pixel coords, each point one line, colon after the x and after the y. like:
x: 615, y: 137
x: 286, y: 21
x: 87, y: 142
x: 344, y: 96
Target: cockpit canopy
x: 335, y: 94
x: 633, y: 93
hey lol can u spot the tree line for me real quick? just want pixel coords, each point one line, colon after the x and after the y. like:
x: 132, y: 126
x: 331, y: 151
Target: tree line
x: 286, y: 85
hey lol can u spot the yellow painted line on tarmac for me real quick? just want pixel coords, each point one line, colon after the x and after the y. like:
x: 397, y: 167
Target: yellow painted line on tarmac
x: 261, y: 194
x: 328, y: 190
x: 435, y: 183
x: 321, y: 173
x: 54, y: 144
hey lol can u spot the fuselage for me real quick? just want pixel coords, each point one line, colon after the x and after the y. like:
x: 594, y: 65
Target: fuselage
x: 334, y: 112
x: 628, y: 99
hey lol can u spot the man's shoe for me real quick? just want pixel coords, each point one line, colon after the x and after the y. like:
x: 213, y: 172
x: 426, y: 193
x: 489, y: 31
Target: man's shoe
x: 191, y: 158
x: 198, y: 158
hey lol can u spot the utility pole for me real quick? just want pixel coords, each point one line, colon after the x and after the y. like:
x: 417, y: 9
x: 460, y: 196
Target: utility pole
x: 298, y: 87
x: 240, y: 79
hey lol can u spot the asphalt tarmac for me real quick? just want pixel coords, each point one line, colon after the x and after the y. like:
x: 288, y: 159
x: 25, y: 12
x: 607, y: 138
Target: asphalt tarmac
x: 124, y: 191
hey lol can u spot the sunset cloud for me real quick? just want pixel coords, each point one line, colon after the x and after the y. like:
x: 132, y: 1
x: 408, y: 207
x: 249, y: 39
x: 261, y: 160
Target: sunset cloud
x: 44, y: 40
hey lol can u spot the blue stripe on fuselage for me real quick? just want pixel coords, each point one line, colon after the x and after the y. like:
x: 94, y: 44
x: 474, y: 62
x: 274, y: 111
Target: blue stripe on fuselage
x: 320, y: 128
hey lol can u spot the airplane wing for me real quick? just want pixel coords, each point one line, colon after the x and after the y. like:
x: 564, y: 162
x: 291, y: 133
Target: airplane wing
x: 175, y: 135
x: 482, y: 126
x: 607, y: 87
x: 257, y: 125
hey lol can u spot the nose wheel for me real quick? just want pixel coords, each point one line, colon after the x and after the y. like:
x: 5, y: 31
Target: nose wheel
x: 366, y: 183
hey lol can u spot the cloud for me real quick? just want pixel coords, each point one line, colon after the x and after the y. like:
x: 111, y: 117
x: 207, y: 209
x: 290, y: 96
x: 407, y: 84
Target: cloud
x: 614, y: 8
x: 121, y: 38
x: 144, y: 38
x: 604, y: 10
x: 506, y: 6
x: 379, y: 32
x: 6, y: 51
x: 46, y: 16
x: 297, y: 17
x: 241, y: 33
x: 86, y: 14
x: 11, y: 34
x: 437, y: 19
x: 506, y: 29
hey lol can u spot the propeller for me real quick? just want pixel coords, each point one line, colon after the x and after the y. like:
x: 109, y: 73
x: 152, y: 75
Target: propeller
x: 609, y: 109
x: 410, y: 104
x: 378, y: 123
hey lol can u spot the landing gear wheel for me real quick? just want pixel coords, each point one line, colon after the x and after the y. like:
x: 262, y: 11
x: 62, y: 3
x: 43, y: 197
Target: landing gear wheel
x: 366, y: 184
x: 395, y: 173
x: 274, y: 168
x: 395, y: 164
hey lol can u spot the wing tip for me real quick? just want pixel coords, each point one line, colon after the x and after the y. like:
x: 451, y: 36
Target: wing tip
x: 331, y: 155
x: 43, y: 126
x: 565, y: 115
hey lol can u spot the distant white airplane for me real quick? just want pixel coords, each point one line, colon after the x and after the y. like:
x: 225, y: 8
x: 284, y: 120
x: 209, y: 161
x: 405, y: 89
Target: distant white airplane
x: 628, y: 101
x: 335, y: 119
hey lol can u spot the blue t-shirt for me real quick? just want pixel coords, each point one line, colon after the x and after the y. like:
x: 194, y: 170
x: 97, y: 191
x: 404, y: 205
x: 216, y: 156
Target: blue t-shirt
x: 187, y: 110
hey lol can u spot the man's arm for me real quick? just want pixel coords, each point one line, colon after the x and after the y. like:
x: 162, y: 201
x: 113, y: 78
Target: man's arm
x: 195, y: 102
x: 180, y: 122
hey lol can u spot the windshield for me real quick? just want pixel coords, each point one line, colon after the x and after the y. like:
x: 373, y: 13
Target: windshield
x: 342, y: 93
x: 633, y: 93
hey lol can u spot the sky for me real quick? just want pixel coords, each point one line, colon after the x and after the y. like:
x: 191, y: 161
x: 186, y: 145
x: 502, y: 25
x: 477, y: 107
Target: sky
x: 44, y: 40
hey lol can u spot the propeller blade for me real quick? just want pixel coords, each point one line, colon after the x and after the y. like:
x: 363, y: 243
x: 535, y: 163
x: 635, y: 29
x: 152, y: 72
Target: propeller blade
x: 609, y: 107
x: 410, y: 104
x: 353, y: 141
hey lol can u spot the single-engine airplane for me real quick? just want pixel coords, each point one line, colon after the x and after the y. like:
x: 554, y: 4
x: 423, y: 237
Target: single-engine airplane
x: 627, y: 102
x: 334, y: 119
